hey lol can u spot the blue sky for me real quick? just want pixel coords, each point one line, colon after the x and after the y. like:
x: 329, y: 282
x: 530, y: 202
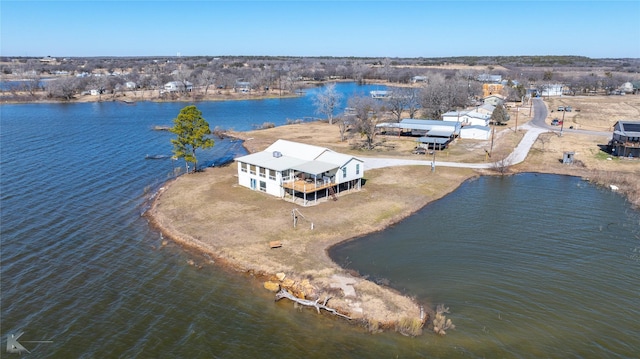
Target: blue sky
x: 597, y: 29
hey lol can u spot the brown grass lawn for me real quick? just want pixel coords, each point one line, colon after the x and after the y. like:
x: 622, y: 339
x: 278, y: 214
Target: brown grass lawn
x: 209, y: 211
x: 597, y: 113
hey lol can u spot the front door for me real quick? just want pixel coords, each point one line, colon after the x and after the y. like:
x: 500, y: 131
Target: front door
x: 253, y: 184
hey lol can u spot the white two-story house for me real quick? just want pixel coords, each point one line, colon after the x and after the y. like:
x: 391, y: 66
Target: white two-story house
x: 299, y: 172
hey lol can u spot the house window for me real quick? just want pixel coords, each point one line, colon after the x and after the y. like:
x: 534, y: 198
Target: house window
x: 243, y: 167
x: 263, y: 186
x: 262, y: 172
x: 272, y: 175
x: 252, y: 169
x: 357, y: 168
x: 344, y: 172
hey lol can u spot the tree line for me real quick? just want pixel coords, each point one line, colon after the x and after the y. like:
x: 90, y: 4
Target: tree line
x: 72, y: 76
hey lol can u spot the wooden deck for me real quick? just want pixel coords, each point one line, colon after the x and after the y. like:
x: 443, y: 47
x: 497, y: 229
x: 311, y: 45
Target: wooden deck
x: 307, y: 187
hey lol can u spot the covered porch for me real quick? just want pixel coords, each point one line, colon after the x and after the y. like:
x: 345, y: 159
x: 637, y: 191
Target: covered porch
x: 311, y: 193
x: 311, y: 181
x: 315, y: 181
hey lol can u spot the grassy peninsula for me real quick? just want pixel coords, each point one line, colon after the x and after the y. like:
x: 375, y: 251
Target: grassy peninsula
x: 210, y: 212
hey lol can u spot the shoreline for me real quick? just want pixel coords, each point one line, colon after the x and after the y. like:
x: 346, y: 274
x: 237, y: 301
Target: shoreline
x: 147, y: 95
x: 133, y: 99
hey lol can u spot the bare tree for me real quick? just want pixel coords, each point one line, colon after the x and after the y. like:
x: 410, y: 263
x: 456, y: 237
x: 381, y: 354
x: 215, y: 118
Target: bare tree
x: 544, y: 138
x: 326, y: 101
x: 386, y: 68
x: 359, y: 71
x: 365, y: 110
x: 402, y: 99
x: 99, y: 83
x: 413, y: 103
x: 227, y: 79
x: 64, y: 87
x: 343, y: 125
x: 443, y: 94
x: 206, y: 79
x: 501, y: 163
x: 397, y: 103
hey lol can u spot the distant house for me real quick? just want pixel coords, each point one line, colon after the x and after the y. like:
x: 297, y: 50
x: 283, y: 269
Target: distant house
x: 48, y: 59
x: 626, y: 139
x: 130, y: 85
x: 486, y: 109
x: 494, y: 99
x: 487, y: 78
x: 178, y: 86
x: 242, y: 86
x: 299, y: 172
x: 416, y: 79
x: 467, y: 118
x: 491, y: 89
x: 552, y: 90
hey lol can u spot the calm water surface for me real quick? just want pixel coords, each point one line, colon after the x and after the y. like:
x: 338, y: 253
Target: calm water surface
x: 530, y: 266
x: 82, y: 268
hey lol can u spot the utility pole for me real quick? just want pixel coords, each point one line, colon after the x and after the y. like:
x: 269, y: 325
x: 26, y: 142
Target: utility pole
x: 493, y: 133
x: 433, y: 162
x: 562, y: 124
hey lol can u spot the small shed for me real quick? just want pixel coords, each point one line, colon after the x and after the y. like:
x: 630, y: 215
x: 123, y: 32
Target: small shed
x: 567, y: 157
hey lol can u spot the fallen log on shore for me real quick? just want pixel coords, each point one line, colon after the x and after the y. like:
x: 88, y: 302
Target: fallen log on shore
x: 283, y: 293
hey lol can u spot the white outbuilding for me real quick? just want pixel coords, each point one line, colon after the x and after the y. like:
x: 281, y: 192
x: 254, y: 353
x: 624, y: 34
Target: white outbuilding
x: 467, y: 118
x: 475, y: 132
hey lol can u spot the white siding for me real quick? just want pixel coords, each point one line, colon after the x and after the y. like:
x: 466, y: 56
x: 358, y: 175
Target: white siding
x: 475, y: 132
x: 351, y: 167
x: 272, y: 185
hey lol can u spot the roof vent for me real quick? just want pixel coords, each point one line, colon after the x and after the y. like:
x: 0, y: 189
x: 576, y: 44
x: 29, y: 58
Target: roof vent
x: 277, y: 154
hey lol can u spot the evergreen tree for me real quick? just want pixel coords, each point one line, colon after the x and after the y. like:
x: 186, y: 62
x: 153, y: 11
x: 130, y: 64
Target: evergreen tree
x: 191, y: 130
x: 499, y: 115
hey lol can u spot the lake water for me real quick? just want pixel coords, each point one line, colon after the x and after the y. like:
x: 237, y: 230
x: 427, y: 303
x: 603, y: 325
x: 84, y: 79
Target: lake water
x: 530, y: 266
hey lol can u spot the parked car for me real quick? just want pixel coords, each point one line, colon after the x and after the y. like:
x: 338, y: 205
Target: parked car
x: 560, y: 108
x: 568, y: 109
x: 556, y: 122
x: 420, y: 151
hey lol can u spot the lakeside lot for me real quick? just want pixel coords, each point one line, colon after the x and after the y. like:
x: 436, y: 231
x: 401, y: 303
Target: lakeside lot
x: 209, y: 211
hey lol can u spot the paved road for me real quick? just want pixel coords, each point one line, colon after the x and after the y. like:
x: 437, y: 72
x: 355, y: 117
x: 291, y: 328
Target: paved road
x: 534, y: 128
x: 540, y: 116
